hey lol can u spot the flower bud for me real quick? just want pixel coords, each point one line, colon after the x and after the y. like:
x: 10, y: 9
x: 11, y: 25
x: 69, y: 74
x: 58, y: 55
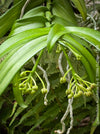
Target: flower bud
x: 33, y: 91
x: 89, y: 88
x: 28, y: 90
x: 93, y: 85
x: 23, y: 74
x: 22, y: 88
x: 21, y: 85
x: 80, y: 93
x: 44, y: 90
x: 35, y: 87
x: 62, y: 80
x: 70, y: 96
x: 76, y: 95
x: 89, y: 93
x: 68, y: 91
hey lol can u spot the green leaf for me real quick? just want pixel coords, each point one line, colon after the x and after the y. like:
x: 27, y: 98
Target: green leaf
x: 31, y: 112
x: 21, y: 39
x: 58, y: 30
x: 16, y: 59
x: 33, y: 4
x: 82, y: 50
x: 62, y: 21
x: 90, y: 35
x: 45, y: 116
x: 80, y: 5
x: 16, y: 91
x: 7, y: 20
x: 86, y: 64
x: 28, y: 23
x: 63, y: 9
x: 87, y: 34
x: 38, y: 11
x: 28, y: 100
x: 96, y: 123
x: 55, y: 33
x: 14, y: 109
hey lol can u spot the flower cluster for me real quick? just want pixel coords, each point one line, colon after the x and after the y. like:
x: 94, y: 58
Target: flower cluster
x: 28, y: 83
x: 78, y: 87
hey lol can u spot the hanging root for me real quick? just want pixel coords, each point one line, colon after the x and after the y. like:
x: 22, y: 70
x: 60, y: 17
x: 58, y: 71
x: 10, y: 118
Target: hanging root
x: 23, y: 9
x: 68, y: 110
x: 60, y: 65
x: 94, y: 22
x: 71, y: 116
x: 70, y: 101
x: 46, y: 79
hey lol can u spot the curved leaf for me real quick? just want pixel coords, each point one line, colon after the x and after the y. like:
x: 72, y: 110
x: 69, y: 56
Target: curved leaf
x: 28, y: 23
x: 21, y: 39
x: 62, y: 21
x: 38, y: 11
x: 28, y: 100
x: 17, y: 58
x: 16, y: 91
x: 87, y: 34
x: 86, y: 64
x: 63, y: 9
x: 7, y: 20
x: 82, y: 50
x: 57, y: 31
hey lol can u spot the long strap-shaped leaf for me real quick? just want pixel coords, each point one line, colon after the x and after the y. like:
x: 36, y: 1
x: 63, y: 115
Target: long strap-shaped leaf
x: 9, y: 17
x: 28, y: 100
x: 21, y: 39
x: 63, y: 9
x: 62, y: 21
x: 82, y: 50
x: 90, y: 35
x: 87, y: 34
x: 57, y: 31
x: 16, y: 59
x: 16, y: 91
x: 38, y: 11
x: 86, y: 64
x: 28, y: 23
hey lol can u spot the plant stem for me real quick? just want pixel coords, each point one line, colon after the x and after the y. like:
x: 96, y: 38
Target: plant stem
x: 67, y: 72
x: 40, y: 80
x: 46, y: 79
x: 73, y: 71
x: 35, y: 66
x: 33, y: 81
